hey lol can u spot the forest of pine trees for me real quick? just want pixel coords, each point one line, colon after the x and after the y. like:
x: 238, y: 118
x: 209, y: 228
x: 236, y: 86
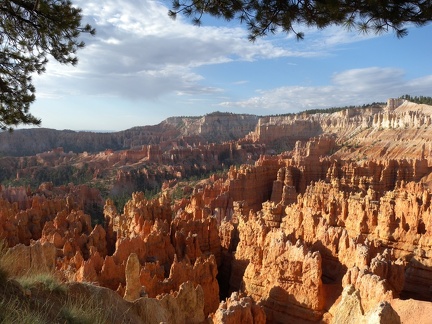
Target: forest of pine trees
x: 418, y: 99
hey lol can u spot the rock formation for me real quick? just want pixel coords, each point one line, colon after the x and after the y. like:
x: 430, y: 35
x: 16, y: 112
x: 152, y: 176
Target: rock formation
x: 350, y: 310
x: 334, y: 230
x: 239, y: 309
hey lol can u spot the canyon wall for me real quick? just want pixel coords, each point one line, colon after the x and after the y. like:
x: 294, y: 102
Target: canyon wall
x: 334, y: 230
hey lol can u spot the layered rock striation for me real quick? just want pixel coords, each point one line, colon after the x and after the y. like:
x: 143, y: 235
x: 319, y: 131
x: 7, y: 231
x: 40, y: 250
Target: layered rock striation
x: 314, y: 234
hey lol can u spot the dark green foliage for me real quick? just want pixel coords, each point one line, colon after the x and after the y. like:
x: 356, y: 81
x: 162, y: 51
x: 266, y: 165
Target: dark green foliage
x: 120, y: 201
x: 30, y: 31
x: 96, y: 213
x: 270, y: 16
x: 329, y: 110
x: 5, y: 174
x: 336, y: 109
x: 60, y: 175
x: 225, y: 113
x: 418, y: 99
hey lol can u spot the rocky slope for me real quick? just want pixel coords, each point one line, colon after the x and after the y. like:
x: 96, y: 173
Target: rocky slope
x: 212, y: 128
x: 335, y: 230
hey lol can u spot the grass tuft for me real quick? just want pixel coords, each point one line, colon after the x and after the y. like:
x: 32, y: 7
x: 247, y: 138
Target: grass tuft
x: 4, y: 274
x: 45, y: 280
x: 48, y: 301
x: 84, y: 312
x: 13, y: 310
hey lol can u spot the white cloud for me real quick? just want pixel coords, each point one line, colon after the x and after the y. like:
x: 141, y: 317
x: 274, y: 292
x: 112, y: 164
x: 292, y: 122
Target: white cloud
x: 241, y: 82
x: 140, y: 53
x: 350, y: 87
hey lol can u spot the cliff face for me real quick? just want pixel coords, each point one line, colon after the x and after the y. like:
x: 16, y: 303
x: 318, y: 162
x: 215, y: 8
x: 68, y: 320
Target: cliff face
x: 212, y: 128
x: 315, y: 234
x: 353, y: 127
x: 142, y: 157
x: 125, y: 171
x: 215, y: 127
x: 284, y: 277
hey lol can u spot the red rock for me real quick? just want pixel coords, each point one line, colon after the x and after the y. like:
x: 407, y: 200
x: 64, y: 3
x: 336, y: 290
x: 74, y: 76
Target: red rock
x: 133, y: 290
x: 40, y: 257
x: 289, y: 231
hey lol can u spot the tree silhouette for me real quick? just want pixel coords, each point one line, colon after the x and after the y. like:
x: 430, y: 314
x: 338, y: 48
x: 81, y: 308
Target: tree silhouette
x: 30, y: 32
x: 270, y: 16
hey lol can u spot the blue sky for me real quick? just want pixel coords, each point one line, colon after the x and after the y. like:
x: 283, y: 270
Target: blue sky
x: 142, y: 67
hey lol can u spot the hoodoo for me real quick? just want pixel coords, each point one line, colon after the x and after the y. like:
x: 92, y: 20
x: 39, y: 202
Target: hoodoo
x: 307, y: 218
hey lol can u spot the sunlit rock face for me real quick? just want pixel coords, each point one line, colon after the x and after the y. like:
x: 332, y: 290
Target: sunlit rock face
x: 339, y: 224
x: 239, y: 309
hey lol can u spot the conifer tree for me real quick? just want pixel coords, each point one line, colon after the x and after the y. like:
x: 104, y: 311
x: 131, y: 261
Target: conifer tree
x: 31, y: 31
x: 270, y: 16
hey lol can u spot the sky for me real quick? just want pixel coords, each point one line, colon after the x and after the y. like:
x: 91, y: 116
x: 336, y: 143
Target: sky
x: 143, y: 67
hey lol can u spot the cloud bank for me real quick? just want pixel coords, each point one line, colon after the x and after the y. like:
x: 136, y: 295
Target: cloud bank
x: 350, y: 87
x: 142, y: 67
x: 141, y: 53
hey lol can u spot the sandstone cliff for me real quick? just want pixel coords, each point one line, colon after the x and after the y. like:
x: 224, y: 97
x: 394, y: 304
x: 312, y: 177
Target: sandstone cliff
x: 212, y: 128
x: 335, y: 230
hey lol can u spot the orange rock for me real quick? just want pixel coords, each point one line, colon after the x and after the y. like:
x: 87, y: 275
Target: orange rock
x: 133, y: 290
x: 239, y: 309
x: 203, y: 272
x: 27, y: 259
x: 289, y: 231
x: 112, y: 274
x: 182, y: 306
